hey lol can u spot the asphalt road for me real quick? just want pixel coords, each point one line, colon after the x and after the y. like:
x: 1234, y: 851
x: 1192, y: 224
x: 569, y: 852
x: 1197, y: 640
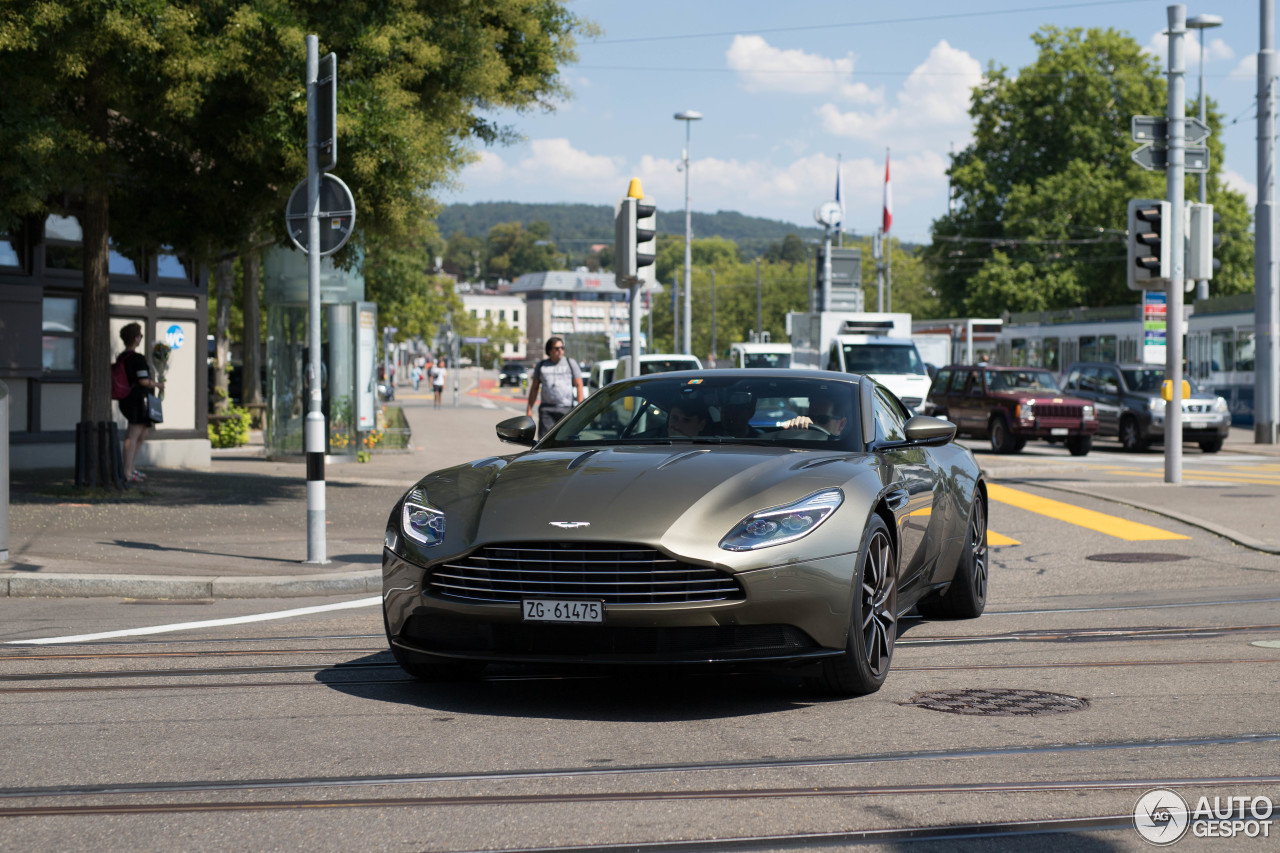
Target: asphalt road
x: 298, y: 732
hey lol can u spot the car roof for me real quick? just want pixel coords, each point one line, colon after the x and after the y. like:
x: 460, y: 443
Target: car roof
x: 739, y: 373
x: 1119, y: 364
x: 1009, y: 367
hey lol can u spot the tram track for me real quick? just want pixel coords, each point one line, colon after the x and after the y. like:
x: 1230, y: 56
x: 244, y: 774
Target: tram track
x: 1256, y: 739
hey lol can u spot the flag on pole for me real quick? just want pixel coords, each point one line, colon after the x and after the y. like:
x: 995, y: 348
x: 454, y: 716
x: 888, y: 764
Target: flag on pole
x: 888, y: 195
x: 840, y: 191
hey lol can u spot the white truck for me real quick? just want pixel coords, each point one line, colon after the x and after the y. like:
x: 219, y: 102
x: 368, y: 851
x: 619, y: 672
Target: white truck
x: 750, y: 354
x: 874, y: 344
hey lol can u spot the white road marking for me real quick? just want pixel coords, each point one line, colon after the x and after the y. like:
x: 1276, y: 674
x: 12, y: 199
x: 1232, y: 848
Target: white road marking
x: 207, y: 623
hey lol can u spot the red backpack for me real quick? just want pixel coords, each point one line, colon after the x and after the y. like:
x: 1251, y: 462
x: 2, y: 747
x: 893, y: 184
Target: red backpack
x: 119, y: 380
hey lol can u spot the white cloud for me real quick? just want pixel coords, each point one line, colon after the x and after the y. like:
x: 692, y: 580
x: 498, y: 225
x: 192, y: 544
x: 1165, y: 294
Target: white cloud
x: 934, y: 97
x: 1239, y: 183
x: 1248, y: 67
x: 1215, y: 49
x: 764, y: 68
x: 557, y: 159
x: 490, y: 168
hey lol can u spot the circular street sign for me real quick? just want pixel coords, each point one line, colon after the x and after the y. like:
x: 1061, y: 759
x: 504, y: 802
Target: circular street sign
x: 337, y: 215
x: 827, y: 213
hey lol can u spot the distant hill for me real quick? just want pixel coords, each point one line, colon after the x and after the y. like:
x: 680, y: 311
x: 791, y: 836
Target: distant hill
x: 579, y: 224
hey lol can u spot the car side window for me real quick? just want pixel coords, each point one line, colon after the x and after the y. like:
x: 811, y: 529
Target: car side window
x: 1073, y: 380
x: 1089, y: 379
x: 1109, y: 382
x: 889, y: 418
x: 957, y: 382
x: 940, y: 382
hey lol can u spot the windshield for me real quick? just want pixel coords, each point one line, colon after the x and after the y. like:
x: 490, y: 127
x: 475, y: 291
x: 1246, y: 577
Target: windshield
x: 1022, y: 380
x: 723, y: 409
x: 1148, y: 379
x: 766, y: 359
x: 883, y: 358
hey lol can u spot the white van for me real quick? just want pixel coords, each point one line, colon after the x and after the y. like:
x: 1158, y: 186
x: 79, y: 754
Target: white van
x: 659, y: 362
x: 602, y: 373
x: 759, y: 355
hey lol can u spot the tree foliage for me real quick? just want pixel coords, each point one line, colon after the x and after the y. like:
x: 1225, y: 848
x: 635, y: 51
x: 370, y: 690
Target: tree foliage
x: 1041, y: 194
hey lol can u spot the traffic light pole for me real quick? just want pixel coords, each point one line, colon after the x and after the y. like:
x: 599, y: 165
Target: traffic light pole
x: 313, y: 431
x: 1176, y: 192
x: 1266, y: 308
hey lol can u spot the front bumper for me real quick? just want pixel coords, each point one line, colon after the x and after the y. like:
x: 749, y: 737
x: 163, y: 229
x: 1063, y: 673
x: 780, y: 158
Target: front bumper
x: 790, y: 613
x: 1195, y: 427
x: 1054, y: 428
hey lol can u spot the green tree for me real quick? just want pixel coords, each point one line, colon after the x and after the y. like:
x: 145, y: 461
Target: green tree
x: 514, y: 250
x: 1042, y: 192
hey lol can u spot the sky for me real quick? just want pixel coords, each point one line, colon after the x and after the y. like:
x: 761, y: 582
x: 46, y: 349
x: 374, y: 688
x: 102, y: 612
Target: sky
x: 787, y: 91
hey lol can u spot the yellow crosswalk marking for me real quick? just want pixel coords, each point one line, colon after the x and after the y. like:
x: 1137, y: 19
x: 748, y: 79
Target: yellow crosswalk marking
x: 1221, y: 477
x: 1120, y: 528
x: 994, y: 538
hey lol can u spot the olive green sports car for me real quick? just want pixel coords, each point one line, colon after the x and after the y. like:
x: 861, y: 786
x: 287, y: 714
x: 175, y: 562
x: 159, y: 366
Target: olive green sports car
x: 664, y: 520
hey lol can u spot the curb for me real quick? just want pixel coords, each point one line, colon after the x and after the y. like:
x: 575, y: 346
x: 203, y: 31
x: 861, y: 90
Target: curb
x: 16, y: 585
x: 1216, y: 529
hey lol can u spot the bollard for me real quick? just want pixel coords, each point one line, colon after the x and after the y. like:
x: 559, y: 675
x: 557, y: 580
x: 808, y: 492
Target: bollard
x: 4, y: 473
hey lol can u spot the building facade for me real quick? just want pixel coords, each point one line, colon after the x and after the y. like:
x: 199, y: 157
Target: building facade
x: 42, y: 361
x: 587, y: 308
x: 495, y: 306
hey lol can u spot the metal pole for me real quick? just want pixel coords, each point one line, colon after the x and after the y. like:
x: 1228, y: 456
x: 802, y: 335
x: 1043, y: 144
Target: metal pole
x: 1175, y: 189
x: 877, y: 252
x: 313, y: 435
x: 688, y: 242
x: 759, y: 307
x: 633, y: 325
x: 826, y: 270
x: 675, y: 313
x: 713, y: 313
x: 1266, y: 377
x: 1202, y: 286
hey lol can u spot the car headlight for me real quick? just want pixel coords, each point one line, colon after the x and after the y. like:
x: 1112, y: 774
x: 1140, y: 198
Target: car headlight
x: 1220, y: 406
x: 421, y: 522
x: 1026, y: 410
x: 781, y: 524
x: 1157, y: 405
x: 1087, y: 413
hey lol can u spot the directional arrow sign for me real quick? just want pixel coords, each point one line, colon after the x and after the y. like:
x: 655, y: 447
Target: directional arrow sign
x: 1156, y: 129
x: 1157, y: 159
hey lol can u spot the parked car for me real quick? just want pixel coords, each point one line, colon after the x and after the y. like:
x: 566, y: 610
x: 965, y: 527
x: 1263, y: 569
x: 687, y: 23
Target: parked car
x: 1130, y: 406
x: 618, y: 538
x: 602, y: 373
x: 1011, y: 405
x: 513, y: 373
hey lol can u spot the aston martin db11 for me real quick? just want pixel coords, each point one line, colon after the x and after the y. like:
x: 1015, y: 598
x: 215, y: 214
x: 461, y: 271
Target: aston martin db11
x: 662, y: 521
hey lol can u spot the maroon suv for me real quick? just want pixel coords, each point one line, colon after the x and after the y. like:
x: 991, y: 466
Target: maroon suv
x: 1010, y: 405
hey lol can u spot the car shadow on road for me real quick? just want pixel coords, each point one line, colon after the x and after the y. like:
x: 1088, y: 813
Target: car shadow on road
x: 615, y: 694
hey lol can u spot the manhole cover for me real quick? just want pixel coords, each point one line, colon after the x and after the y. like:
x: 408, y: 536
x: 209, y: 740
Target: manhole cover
x: 998, y: 703
x: 1137, y: 557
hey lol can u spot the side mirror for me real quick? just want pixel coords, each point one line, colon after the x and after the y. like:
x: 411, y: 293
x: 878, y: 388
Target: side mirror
x: 923, y: 429
x: 519, y: 430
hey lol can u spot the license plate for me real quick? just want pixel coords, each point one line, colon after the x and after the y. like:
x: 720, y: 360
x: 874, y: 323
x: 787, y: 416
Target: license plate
x: 1059, y: 431
x: 552, y: 610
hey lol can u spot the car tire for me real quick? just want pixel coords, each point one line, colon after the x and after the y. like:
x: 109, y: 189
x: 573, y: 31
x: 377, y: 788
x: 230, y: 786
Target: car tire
x: 873, y: 626
x: 1080, y: 445
x: 1002, y: 440
x: 1212, y: 445
x: 1019, y: 444
x: 966, y: 597
x: 1130, y: 437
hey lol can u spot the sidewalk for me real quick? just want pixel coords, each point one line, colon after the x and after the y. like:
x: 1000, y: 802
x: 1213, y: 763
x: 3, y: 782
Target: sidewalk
x: 239, y: 530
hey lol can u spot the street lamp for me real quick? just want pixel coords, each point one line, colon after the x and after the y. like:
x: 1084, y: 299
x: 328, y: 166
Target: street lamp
x: 1202, y: 23
x: 688, y: 117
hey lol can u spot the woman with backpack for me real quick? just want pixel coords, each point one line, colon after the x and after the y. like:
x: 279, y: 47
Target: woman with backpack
x: 134, y: 405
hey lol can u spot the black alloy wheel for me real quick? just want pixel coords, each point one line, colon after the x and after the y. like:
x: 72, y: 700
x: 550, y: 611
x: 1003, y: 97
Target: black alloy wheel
x: 966, y: 597
x: 873, y: 628
x: 1130, y: 438
x: 1002, y: 440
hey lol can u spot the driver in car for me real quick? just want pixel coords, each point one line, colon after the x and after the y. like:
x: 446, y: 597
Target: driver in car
x: 824, y: 416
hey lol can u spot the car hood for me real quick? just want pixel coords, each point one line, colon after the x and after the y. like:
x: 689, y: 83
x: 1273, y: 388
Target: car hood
x: 683, y: 498
x: 1045, y: 398
x: 1153, y: 395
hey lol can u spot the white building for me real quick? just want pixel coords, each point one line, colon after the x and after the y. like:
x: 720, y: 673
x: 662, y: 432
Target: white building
x: 576, y: 306
x: 496, y: 306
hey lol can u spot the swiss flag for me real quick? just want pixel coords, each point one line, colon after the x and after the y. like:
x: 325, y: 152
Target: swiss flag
x: 888, y: 195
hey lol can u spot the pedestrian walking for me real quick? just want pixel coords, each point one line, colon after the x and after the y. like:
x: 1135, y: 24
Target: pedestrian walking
x: 134, y: 406
x: 559, y: 379
x: 417, y: 376
x: 438, y: 374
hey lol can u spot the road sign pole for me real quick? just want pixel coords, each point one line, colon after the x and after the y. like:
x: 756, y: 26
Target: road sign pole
x: 313, y: 435
x: 1266, y: 307
x: 1176, y: 192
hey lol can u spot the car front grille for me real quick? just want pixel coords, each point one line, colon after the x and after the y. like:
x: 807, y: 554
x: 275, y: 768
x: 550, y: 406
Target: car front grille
x: 1197, y: 408
x: 614, y: 574
x: 1058, y: 410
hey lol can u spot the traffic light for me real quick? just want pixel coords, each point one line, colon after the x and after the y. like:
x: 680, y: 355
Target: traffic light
x: 1201, y: 241
x: 1149, y: 248
x: 634, y: 238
